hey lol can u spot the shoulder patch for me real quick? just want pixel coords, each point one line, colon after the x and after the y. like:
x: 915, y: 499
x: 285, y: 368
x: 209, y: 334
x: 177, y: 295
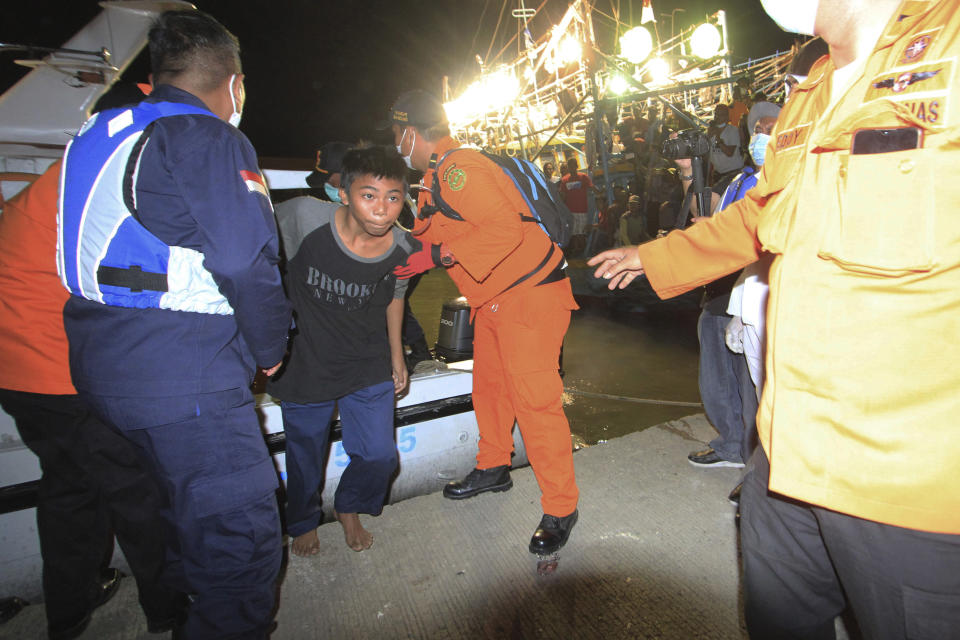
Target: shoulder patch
x: 455, y: 177
x: 254, y: 182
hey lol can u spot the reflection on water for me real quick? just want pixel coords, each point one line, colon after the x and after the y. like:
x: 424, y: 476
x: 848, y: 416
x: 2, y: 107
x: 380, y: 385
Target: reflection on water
x: 618, y: 366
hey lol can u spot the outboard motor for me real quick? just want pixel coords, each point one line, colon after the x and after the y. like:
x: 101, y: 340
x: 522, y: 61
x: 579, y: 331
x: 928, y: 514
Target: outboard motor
x: 455, y: 337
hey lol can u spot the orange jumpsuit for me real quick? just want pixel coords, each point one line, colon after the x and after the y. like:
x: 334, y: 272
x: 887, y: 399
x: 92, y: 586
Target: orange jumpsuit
x: 518, y: 330
x: 32, y: 300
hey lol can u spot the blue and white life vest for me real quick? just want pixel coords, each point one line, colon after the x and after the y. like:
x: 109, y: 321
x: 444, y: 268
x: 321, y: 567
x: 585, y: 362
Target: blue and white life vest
x: 738, y: 188
x: 103, y: 252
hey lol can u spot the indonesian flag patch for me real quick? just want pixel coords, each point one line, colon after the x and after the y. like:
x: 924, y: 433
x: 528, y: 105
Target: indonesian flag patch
x: 254, y: 182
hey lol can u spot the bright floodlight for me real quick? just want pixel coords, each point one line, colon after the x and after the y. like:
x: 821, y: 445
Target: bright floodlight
x: 569, y: 49
x: 455, y: 111
x: 636, y: 45
x: 705, y: 41
x: 659, y: 70
x: 501, y: 88
x: 493, y: 91
x: 618, y: 85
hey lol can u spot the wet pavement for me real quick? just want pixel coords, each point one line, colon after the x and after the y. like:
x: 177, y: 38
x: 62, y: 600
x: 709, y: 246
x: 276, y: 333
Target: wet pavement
x: 654, y: 555
x: 625, y: 369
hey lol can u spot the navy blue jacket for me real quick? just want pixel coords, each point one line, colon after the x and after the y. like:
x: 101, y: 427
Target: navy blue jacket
x: 191, y: 193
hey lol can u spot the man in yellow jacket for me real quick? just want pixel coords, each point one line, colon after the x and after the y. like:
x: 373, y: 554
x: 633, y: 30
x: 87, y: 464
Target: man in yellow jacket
x: 857, y: 201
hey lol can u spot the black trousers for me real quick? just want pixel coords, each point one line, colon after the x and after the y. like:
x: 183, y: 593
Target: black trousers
x: 804, y: 565
x: 93, y: 485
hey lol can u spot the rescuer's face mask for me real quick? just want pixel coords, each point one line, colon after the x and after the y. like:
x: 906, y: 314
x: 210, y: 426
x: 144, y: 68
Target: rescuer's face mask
x: 758, y: 148
x: 237, y: 112
x: 332, y: 192
x: 795, y: 16
x: 406, y: 158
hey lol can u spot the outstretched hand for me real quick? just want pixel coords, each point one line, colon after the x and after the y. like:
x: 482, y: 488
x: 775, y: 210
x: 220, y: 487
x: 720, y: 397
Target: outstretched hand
x: 620, y: 266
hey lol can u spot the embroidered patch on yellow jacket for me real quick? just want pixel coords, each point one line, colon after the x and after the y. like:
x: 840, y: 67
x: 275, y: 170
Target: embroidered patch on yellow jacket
x: 923, y: 88
x: 795, y: 137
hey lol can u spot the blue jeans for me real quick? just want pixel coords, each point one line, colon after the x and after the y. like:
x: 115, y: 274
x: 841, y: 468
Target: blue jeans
x: 367, y: 417
x: 727, y: 392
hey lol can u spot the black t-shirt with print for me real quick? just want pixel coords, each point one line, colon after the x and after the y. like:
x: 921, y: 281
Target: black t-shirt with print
x: 339, y: 344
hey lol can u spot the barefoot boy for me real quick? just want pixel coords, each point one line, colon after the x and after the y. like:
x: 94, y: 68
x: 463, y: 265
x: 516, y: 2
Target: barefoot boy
x: 346, y: 350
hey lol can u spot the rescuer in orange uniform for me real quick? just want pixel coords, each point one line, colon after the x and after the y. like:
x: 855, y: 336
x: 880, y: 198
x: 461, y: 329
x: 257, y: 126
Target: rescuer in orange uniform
x: 512, y: 276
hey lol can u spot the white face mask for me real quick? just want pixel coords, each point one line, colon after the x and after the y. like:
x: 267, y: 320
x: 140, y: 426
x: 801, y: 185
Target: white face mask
x: 236, y: 115
x: 406, y: 158
x: 795, y: 16
x: 758, y: 148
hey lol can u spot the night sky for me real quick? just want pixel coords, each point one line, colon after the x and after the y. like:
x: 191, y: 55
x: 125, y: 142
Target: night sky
x: 319, y: 70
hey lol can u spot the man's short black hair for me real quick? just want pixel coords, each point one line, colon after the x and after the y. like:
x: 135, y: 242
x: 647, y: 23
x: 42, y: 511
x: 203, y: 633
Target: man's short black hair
x: 194, y: 44
x: 810, y: 52
x: 121, y: 94
x: 378, y: 161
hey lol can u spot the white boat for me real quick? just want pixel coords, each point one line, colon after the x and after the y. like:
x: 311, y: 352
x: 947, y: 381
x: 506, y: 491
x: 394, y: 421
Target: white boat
x: 436, y: 429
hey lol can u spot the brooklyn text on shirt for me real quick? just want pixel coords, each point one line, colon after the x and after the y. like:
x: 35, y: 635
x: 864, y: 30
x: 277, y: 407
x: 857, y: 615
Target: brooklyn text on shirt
x: 338, y: 292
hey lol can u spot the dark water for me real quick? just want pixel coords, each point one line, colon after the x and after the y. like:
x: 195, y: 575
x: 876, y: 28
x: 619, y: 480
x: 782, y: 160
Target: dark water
x: 621, y: 367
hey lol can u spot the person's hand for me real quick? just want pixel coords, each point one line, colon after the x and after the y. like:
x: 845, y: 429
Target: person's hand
x: 429, y: 256
x: 733, y: 334
x: 272, y: 370
x: 684, y: 164
x: 620, y: 266
x: 400, y: 376
x: 696, y: 219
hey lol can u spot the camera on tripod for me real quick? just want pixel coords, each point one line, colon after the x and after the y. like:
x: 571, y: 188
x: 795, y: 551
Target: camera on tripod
x: 690, y: 143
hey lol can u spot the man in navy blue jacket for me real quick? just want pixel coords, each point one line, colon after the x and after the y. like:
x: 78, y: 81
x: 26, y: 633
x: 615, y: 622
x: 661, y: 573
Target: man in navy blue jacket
x: 169, y: 246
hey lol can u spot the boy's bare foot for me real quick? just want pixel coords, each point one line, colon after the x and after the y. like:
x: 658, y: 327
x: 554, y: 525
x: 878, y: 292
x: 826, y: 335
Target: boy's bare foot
x: 306, y: 544
x: 357, y: 537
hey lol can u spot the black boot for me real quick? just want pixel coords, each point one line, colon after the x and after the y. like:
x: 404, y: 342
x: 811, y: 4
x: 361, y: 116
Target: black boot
x: 478, y: 481
x: 552, y: 533
x: 106, y: 588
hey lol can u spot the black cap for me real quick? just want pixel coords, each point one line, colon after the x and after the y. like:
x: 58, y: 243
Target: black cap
x: 417, y: 108
x: 329, y: 161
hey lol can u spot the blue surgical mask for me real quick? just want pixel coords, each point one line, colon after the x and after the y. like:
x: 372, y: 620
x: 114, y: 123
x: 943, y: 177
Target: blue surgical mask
x: 758, y: 148
x: 332, y: 192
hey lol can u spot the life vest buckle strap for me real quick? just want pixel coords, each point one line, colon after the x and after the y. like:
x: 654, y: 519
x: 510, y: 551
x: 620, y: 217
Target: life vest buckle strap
x: 133, y: 278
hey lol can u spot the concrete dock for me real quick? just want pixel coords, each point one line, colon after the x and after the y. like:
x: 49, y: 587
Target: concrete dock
x: 654, y: 555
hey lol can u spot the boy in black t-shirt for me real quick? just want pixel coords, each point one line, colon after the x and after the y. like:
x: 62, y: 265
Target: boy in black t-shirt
x: 346, y: 350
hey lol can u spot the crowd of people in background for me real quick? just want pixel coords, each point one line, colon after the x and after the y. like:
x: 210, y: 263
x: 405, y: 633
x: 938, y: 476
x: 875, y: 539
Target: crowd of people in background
x: 646, y: 201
